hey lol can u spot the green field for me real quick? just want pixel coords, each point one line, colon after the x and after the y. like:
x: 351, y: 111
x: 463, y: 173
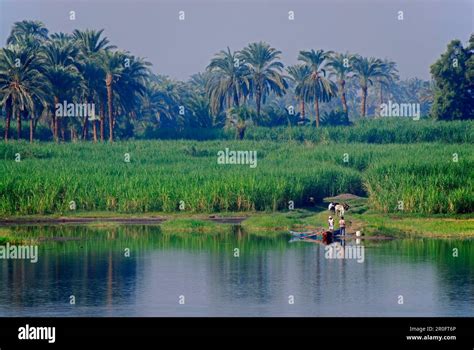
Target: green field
x: 163, y: 173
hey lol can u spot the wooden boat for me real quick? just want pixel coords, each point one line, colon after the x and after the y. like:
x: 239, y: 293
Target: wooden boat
x: 321, y: 235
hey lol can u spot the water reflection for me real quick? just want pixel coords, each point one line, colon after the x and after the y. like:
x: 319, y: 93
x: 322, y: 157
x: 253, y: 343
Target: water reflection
x: 91, y: 265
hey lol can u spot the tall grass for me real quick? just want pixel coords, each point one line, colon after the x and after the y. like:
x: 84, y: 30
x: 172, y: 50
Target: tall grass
x: 380, y: 131
x: 163, y: 173
x: 428, y: 185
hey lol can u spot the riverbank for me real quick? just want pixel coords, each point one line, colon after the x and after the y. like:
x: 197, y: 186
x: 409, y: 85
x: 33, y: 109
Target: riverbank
x: 266, y: 223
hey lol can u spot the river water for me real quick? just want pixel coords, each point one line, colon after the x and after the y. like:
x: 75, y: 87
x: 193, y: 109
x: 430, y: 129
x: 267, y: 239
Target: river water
x: 139, y: 270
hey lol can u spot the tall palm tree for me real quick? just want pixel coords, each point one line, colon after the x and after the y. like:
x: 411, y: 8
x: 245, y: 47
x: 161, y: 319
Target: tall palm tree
x: 317, y: 87
x: 366, y: 70
x: 113, y: 66
x: 20, y: 84
x: 27, y: 37
x: 388, y: 75
x: 265, y: 69
x: 58, y: 59
x: 229, y: 81
x: 298, y: 74
x: 131, y: 87
x: 92, y: 46
x: 340, y: 69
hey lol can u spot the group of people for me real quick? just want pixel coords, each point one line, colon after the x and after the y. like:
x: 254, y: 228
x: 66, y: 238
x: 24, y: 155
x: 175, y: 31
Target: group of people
x: 342, y: 222
x: 342, y: 225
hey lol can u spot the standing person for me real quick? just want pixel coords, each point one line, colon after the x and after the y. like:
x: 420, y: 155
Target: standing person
x: 342, y: 226
x: 331, y: 206
x: 331, y: 223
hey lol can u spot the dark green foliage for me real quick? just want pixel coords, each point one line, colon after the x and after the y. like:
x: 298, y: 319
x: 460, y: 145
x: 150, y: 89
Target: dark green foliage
x: 335, y: 118
x: 453, y: 74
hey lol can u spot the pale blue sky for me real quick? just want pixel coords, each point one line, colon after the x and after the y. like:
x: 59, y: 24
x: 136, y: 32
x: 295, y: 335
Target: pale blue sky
x: 179, y: 49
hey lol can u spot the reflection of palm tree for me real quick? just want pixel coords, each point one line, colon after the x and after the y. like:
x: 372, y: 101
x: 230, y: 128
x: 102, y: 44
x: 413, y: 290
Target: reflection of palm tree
x: 298, y: 74
x: 265, y: 71
x: 317, y: 87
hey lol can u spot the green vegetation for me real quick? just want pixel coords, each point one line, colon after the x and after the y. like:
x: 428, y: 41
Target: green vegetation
x: 244, y: 100
x: 392, y: 130
x: 453, y: 74
x: 409, y: 225
x: 40, y: 71
x: 163, y: 173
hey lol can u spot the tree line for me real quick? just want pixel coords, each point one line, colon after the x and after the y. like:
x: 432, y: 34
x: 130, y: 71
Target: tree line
x: 39, y: 70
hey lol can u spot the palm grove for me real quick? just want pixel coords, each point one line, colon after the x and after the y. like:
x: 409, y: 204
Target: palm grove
x: 39, y: 70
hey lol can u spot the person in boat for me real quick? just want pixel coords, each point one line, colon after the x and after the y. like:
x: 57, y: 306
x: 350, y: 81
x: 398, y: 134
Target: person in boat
x: 342, y: 226
x: 331, y: 223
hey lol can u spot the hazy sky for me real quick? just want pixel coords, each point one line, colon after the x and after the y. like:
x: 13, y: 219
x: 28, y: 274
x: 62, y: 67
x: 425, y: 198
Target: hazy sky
x: 181, y: 48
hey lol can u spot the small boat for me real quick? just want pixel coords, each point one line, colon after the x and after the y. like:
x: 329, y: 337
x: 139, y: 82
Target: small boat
x: 314, y: 235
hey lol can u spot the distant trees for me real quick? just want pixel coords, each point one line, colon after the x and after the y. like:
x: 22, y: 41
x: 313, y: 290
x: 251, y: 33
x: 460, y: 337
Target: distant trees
x: 22, y: 85
x: 340, y: 65
x: 265, y: 71
x: 59, y: 67
x: 229, y: 82
x: 39, y: 70
x: 453, y: 74
x: 298, y: 74
x: 366, y: 70
x: 317, y: 87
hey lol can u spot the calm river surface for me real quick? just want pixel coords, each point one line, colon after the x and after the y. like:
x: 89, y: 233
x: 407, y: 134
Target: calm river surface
x: 91, y: 265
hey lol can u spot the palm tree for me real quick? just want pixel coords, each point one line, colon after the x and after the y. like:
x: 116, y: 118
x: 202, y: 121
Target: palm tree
x: 20, y: 85
x: 131, y: 87
x: 239, y: 118
x: 113, y: 66
x: 25, y: 38
x: 160, y: 100
x: 366, y: 70
x: 388, y: 75
x: 340, y: 69
x: 265, y: 71
x: 228, y: 82
x: 93, y: 46
x: 27, y: 29
x: 298, y: 74
x: 58, y: 65
x: 317, y: 87
x: 91, y: 42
